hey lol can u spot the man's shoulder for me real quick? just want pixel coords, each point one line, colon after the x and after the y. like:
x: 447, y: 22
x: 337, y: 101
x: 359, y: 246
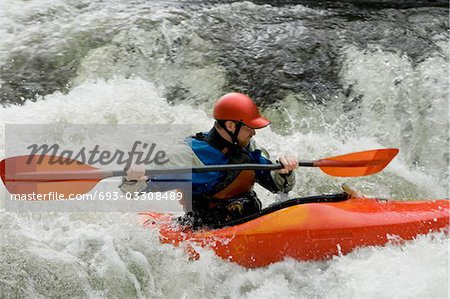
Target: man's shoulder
x: 205, y: 152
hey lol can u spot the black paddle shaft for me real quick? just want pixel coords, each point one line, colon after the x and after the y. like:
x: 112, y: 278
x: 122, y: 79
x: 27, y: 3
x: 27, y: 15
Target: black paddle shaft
x: 208, y: 168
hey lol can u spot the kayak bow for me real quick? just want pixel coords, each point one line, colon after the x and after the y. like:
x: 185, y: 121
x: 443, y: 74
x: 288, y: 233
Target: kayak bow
x: 311, y: 228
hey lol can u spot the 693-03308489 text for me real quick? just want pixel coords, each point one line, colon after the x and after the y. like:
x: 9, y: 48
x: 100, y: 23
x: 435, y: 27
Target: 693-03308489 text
x: 101, y: 195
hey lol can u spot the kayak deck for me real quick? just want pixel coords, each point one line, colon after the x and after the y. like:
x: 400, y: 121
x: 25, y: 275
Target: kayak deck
x: 311, y: 228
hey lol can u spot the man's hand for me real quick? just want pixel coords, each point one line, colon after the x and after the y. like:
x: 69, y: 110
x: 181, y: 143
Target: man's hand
x: 290, y: 162
x: 136, y: 173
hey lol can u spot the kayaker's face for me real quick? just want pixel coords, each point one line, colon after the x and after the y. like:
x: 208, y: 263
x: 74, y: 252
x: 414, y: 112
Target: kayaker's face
x: 245, y: 135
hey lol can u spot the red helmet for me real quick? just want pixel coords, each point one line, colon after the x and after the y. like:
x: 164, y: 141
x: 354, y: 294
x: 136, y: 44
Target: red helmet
x: 239, y: 107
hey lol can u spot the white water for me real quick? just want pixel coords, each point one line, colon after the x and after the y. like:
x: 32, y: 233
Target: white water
x: 99, y: 255
x: 110, y: 255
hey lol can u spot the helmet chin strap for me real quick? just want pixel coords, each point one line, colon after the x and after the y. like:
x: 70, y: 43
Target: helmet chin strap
x: 234, y: 135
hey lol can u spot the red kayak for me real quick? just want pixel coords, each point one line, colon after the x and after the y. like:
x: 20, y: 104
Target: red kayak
x: 311, y: 228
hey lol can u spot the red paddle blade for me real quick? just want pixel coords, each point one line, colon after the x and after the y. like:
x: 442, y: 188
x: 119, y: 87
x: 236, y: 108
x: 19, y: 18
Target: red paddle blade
x: 43, y: 175
x: 357, y: 164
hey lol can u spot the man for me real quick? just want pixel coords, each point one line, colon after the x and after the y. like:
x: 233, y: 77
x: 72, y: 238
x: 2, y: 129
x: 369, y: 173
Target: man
x: 220, y: 197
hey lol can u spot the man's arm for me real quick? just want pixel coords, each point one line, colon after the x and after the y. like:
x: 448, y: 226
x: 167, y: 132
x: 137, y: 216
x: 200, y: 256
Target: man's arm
x: 272, y: 180
x: 180, y: 155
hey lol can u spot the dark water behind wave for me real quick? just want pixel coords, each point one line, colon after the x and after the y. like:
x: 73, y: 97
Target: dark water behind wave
x: 266, y: 51
x: 355, y: 71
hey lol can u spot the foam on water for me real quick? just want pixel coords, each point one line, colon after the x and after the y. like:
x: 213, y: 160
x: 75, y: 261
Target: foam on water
x: 400, y: 102
x: 117, y: 61
x: 117, y: 101
x: 136, y: 101
x: 110, y: 255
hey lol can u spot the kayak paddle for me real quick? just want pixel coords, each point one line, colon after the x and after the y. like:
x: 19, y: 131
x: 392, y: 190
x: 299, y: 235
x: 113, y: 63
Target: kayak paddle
x: 38, y: 175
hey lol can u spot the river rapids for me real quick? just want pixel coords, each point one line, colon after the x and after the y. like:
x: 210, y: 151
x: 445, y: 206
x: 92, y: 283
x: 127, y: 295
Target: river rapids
x: 333, y: 77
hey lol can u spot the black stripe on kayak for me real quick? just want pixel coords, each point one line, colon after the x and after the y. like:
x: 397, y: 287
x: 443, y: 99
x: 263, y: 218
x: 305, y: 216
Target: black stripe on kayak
x: 285, y: 204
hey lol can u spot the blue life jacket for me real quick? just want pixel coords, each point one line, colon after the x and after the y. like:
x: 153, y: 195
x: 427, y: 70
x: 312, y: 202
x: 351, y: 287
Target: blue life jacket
x: 208, y: 151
